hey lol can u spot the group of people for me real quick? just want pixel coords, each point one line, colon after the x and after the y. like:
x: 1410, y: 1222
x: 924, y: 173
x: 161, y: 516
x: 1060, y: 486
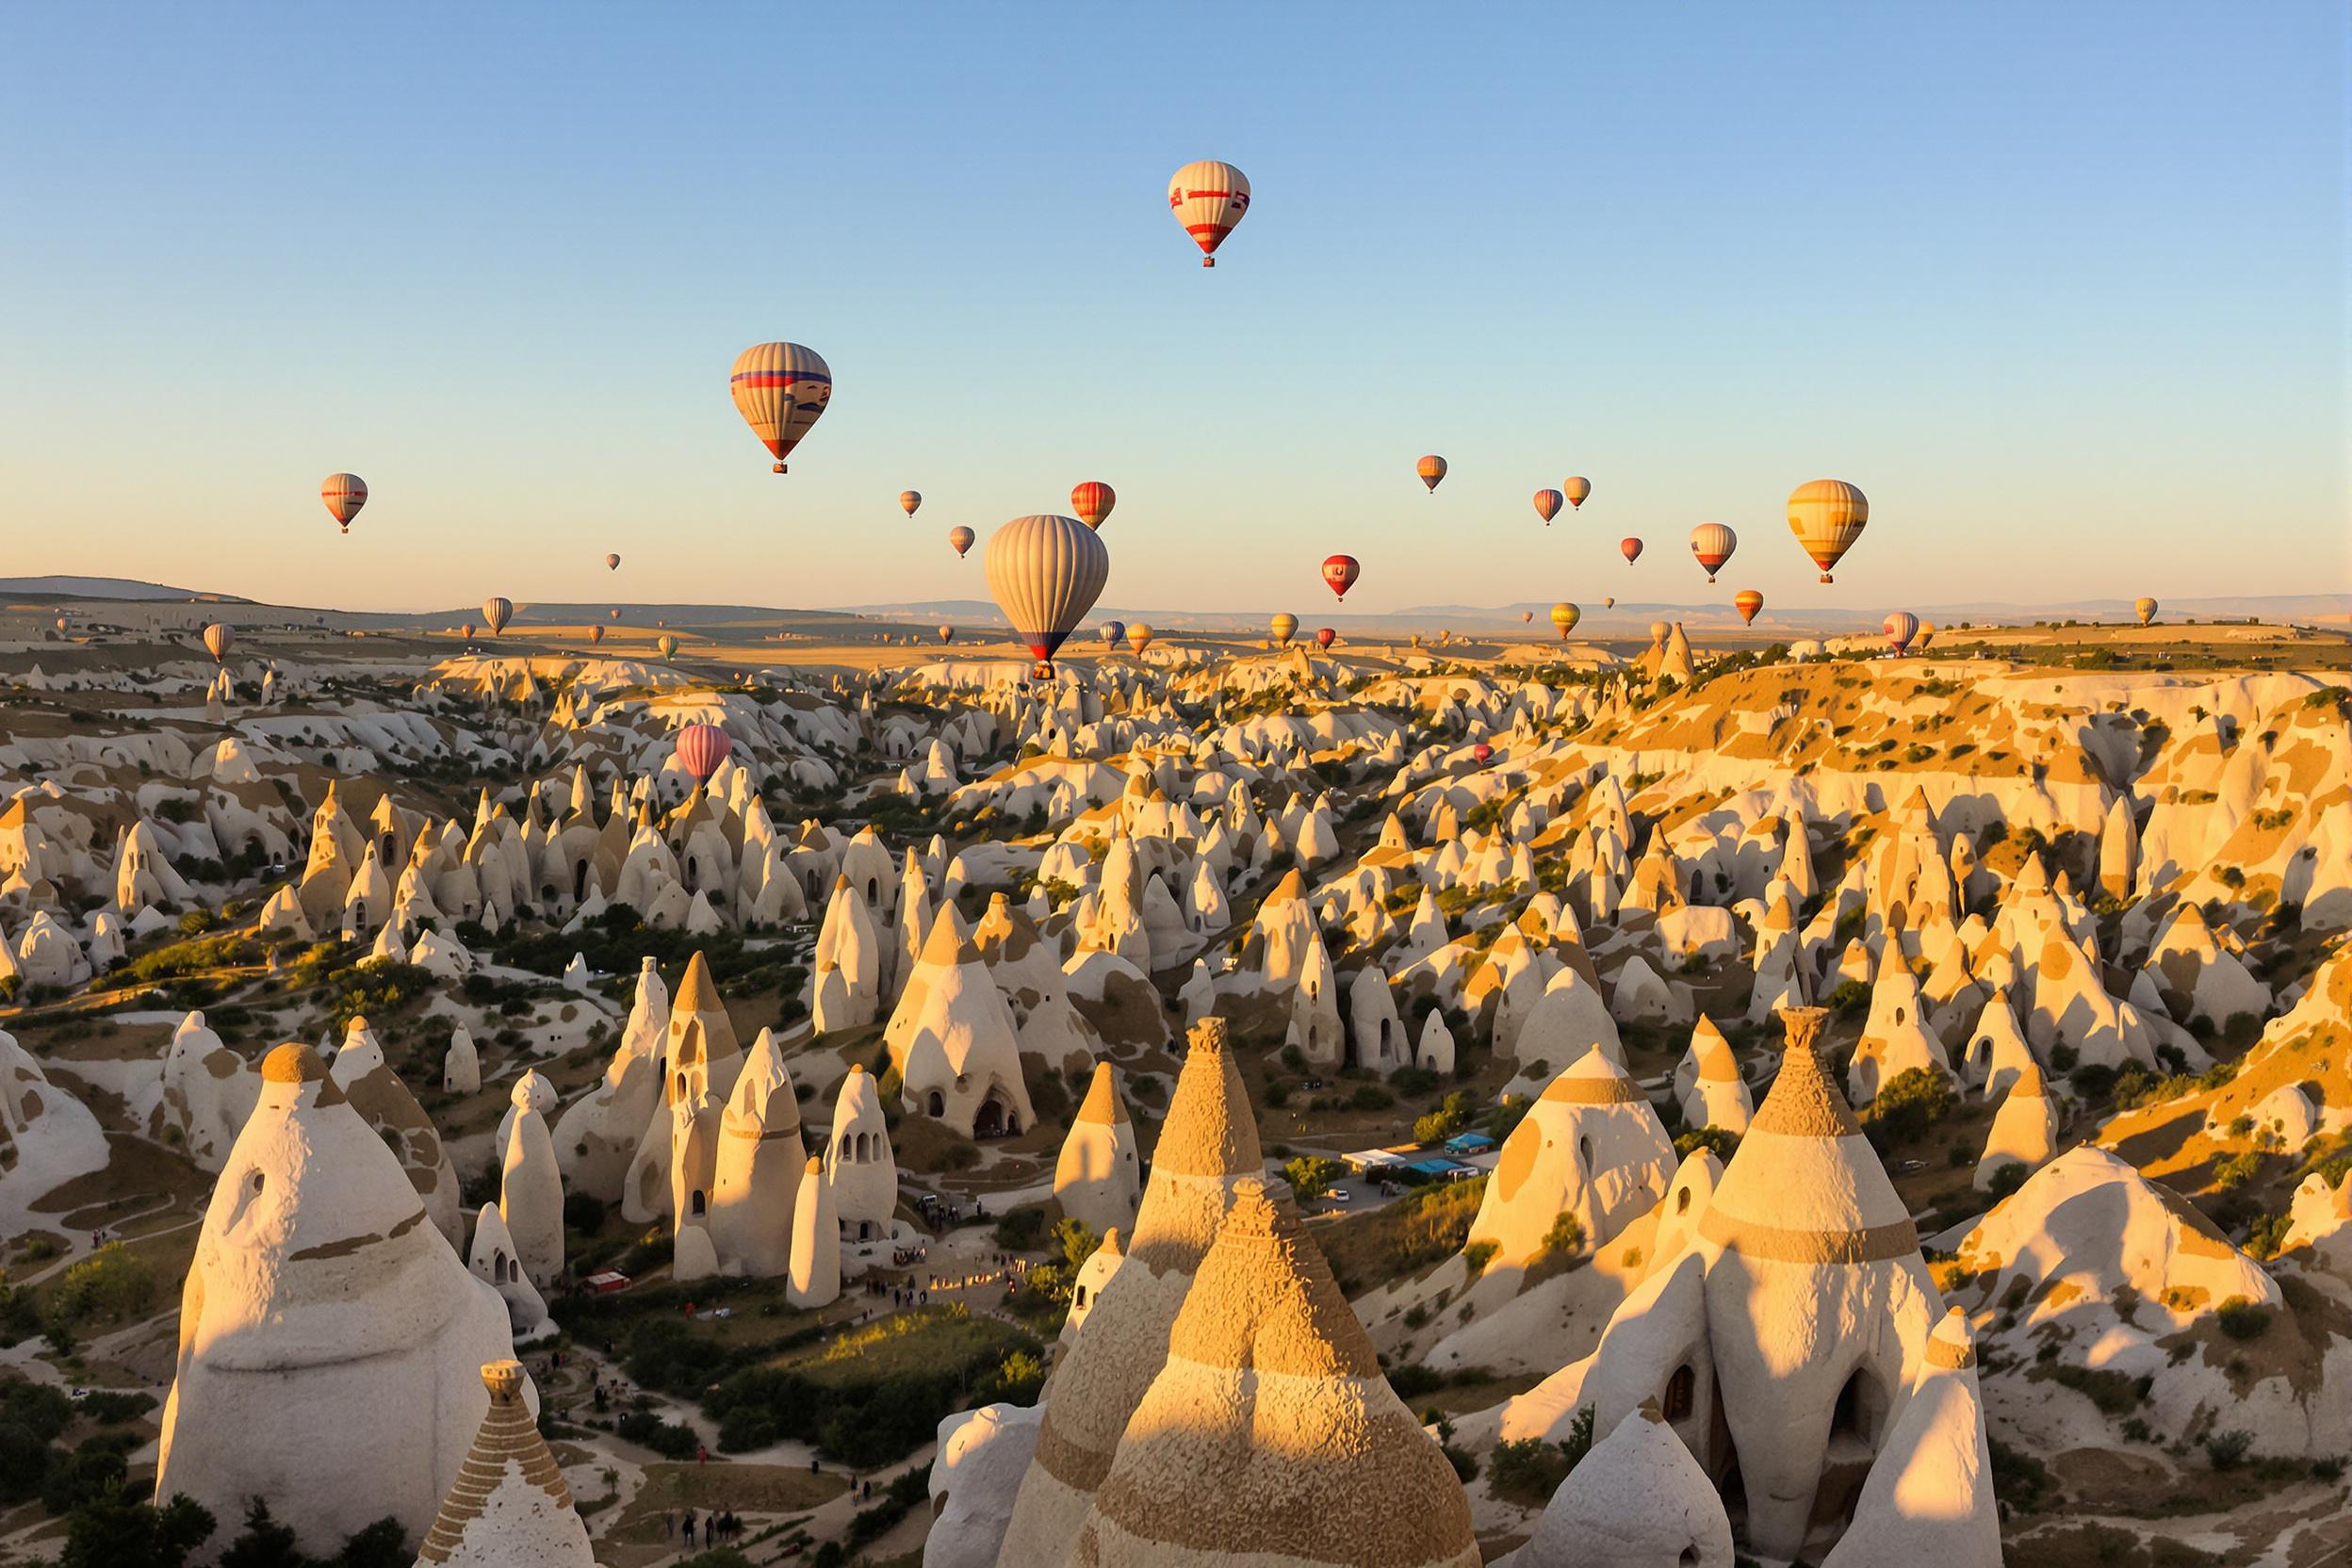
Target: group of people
x: 719, y: 1527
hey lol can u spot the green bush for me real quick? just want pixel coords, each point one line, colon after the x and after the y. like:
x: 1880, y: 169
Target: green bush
x: 1312, y: 1175
x: 2240, y: 1319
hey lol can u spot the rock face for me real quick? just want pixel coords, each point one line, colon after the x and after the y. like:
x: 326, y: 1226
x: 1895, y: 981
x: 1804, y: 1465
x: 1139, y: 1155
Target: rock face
x: 47, y: 1137
x: 1269, y: 1435
x: 331, y: 1343
x: 530, y: 1190
x: 859, y: 1166
x: 954, y: 1042
x: 1592, y: 1148
x: 376, y: 1092
x: 208, y: 1091
x: 509, y: 1507
x: 1097, y: 1179
x: 983, y: 1454
x: 1929, y: 1499
x: 597, y: 1138
x: 1208, y: 1145
x: 1639, y: 1500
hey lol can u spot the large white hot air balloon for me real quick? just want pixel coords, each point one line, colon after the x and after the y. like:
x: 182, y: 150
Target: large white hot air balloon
x: 1046, y: 571
x: 496, y: 613
x: 780, y: 389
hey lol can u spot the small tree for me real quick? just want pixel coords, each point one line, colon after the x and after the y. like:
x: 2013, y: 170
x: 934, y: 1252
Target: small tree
x: 1312, y: 1175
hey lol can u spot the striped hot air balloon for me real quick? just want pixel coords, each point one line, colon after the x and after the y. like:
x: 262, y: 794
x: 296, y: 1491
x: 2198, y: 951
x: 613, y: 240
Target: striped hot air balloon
x: 1092, y: 502
x: 1547, y: 504
x: 666, y: 645
x: 344, y: 494
x: 1630, y: 549
x: 612, y: 563
x: 702, y: 749
x: 1565, y: 616
x: 1208, y: 199
x: 781, y: 390
x: 1140, y: 638
x: 1113, y: 633
x: 496, y: 613
x: 1899, y: 626
x: 1827, y: 515
x: 961, y: 538
x: 1577, y: 488
x: 1340, y: 572
x: 2145, y: 608
x: 218, y: 638
x: 1747, y: 601
x: 1431, y: 469
x: 909, y: 499
x: 1284, y: 625
x: 1325, y: 637
x: 1713, y: 545
x: 1046, y: 571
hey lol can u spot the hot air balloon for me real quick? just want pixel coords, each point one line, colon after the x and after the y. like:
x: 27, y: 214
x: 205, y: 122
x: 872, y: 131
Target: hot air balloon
x: 1658, y: 630
x: 1431, y: 469
x: 1092, y: 502
x: 1525, y: 615
x: 1325, y: 637
x: 780, y: 390
x: 614, y: 614
x: 1208, y: 199
x: 1747, y: 601
x: 61, y: 622
x: 596, y: 635
x: 1610, y: 603
x: 1340, y: 572
x: 344, y: 494
x: 1712, y: 543
x: 468, y: 629
x: 1900, y: 626
x: 2144, y: 607
x: 1482, y: 753
x: 1284, y: 625
x: 1139, y: 638
x: 947, y: 634
x: 1577, y: 488
x: 910, y: 499
x: 496, y: 613
x: 1926, y: 635
x: 1547, y: 504
x: 218, y: 637
x: 1827, y: 516
x: 1046, y: 573
x: 1113, y: 633
x: 665, y: 646
x: 960, y: 538
x: 612, y: 563
x: 1630, y: 549
x: 701, y: 749
x: 1565, y: 616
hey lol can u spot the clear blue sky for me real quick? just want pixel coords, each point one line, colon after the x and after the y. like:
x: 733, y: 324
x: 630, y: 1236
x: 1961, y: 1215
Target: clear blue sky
x: 2061, y: 287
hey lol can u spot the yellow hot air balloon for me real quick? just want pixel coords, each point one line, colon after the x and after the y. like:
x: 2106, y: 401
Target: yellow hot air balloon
x: 910, y: 499
x: 496, y: 613
x: 218, y: 637
x: 1747, y: 601
x: 1046, y: 571
x: 2145, y: 608
x: 1575, y: 487
x: 1139, y: 638
x: 1827, y: 516
x: 1284, y: 625
x: 1565, y: 616
x: 781, y: 389
x: 1610, y: 603
x: 666, y: 645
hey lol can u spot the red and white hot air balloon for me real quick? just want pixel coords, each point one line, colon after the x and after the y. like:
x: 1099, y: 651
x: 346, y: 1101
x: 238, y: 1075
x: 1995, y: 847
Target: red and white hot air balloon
x: 218, y: 638
x: 1899, y: 626
x: 1092, y: 502
x: 1325, y: 637
x: 702, y: 748
x: 781, y: 389
x: 1340, y: 572
x: 1747, y: 601
x: 496, y: 613
x: 1547, y: 505
x: 1577, y: 488
x: 1431, y: 469
x: 1713, y: 545
x: 1630, y: 549
x: 1208, y: 198
x: 344, y: 494
x: 961, y: 538
x: 910, y: 499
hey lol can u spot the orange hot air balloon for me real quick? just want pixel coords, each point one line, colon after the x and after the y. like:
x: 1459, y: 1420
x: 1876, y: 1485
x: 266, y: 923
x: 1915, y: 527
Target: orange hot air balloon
x: 1610, y: 603
x: 1711, y: 544
x: 1140, y: 638
x: 1208, y: 198
x: 1565, y: 616
x: 612, y: 563
x: 496, y: 613
x: 1431, y: 469
x: 468, y: 629
x: 910, y: 499
x: 1899, y: 626
x: 1325, y: 637
x: 1093, y: 502
x: 61, y: 622
x: 1827, y: 515
x: 596, y: 635
x: 947, y: 634
x: 1630, y: 549
x: 1284, y: 625
x: 1547, y: 504
x: 1340, y: 572
x: 1747, y: 601
x: 1577, y: 487
x: 344, y: 494
x: 961, y: 537
x: 218, y: 638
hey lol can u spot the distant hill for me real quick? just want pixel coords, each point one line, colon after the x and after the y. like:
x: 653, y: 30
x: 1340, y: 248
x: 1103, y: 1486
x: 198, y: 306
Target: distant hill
x: 106, y: 588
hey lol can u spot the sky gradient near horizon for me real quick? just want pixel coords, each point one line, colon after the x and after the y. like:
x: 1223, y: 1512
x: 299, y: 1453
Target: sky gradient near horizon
x: 2061, y: 287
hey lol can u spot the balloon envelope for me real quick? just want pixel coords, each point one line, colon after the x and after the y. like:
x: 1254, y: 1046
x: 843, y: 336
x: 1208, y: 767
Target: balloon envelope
x: 468, y: 629
x: 1139, y: 637
x: 344, y: 494
x: 1113, y: 633
x: 1284, y: 625
x: 947, y: 634
x: 218, y: 637
x: 910, y: 499
x: 1900, y: 628
x: 1827, y: 516
x: 1208, y: 199
x: 1713, y: 545
x: 612, y: 563
x: 1747, y: 601
x: 1325, y: 637
x: 1577, y: 488
x: 614, y: 614
x: 665, y: 646
x: 596, y: 635
x: 701, y: 749
x: 1565, y: 616
x: 1092, y: 502
x: 781, y: 389
x: 1340, y: 572
x: 496, y: 613
x: 2145, y: 608
x: 1046, y: 571
x: 1610, y: 603
x: 1547, y: 504
x: 1482, y: 752
x: 961, y: 538
x: 1431, y: 469
x: 1630, y: 549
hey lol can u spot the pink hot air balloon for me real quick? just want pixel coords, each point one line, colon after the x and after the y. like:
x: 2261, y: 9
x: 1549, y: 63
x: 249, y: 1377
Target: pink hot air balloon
x: 1547, y: 505
x: 1900, y: 628
x: 961, y: 538
x: 1340, y: 572
x: 701, y: 748
x: 1630, y: 549
x: 1325, y: 637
